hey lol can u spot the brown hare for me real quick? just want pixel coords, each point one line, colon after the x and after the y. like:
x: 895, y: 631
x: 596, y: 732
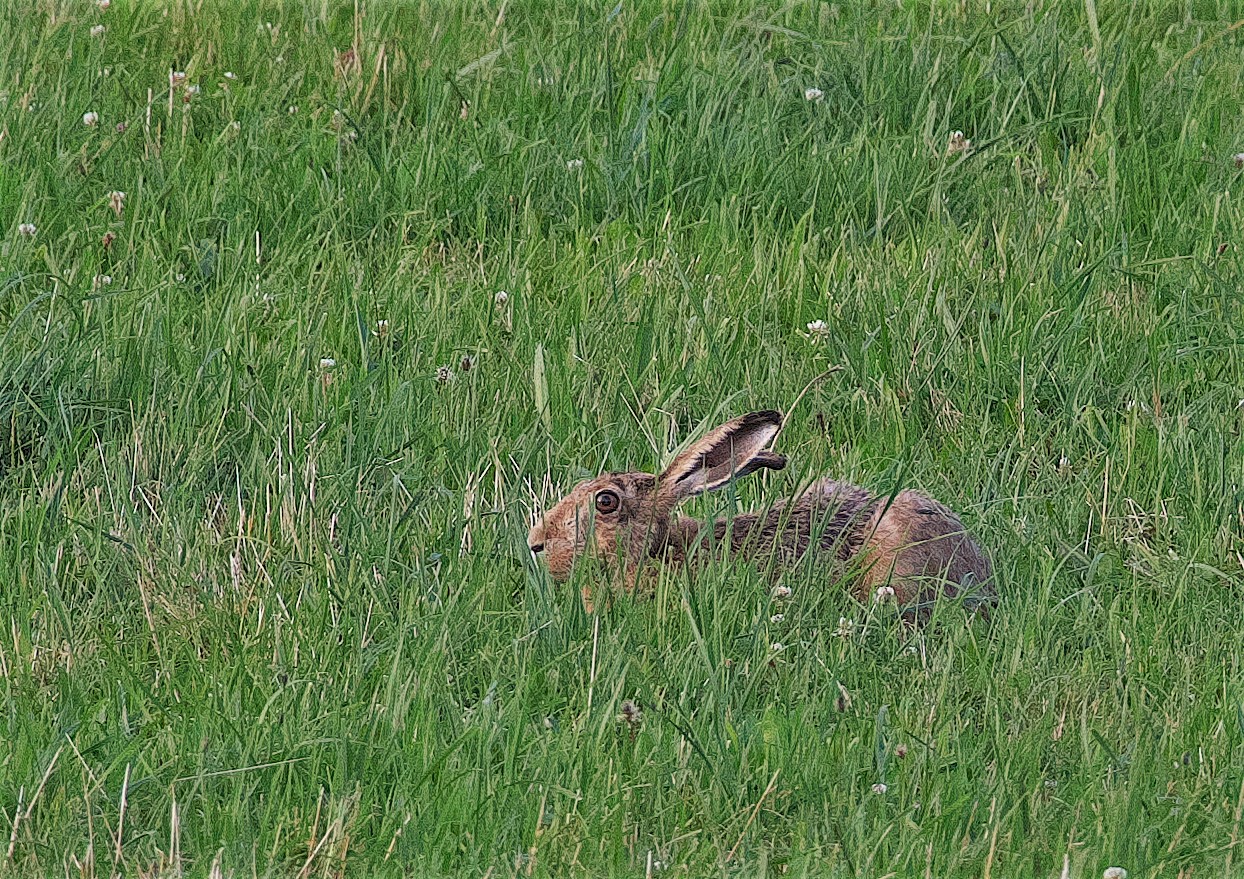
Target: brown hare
x: 907, y: 542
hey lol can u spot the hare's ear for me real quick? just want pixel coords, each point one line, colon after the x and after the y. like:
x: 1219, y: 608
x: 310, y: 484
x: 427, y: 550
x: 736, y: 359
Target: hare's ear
x: 732, y: 450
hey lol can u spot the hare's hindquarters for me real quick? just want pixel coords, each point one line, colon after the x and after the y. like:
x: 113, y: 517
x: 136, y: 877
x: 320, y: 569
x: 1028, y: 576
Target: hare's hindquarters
x: 920, y: 548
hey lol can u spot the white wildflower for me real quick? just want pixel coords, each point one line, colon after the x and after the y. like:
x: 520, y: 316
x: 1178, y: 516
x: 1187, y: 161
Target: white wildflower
x: 90, y: 118
x: 777, y: 647
x: 103, y: 4
x: 812, y: 93
x: 880, y: 788
x: 292, y: 110
x: 27, y: 229
x: 574, y: 164
x: 884, y: 594
x: 958, y: 144
x: 1114, y: 873
x: 781, y: 592
x: 116, y: 201
x: 818, y: 327
x: 101, y: 281
x: 229, y: 74
x: 444, y: 374
x: 777, y: 618
x: 97, y: 30
x: 845, y: 629
x: 501, y: 299
x: 328, y: 363
x: 1238, y: 160
x: 176, y: 77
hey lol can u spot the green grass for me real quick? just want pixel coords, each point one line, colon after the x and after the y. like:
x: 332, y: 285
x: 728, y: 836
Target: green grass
x: 274, y: 618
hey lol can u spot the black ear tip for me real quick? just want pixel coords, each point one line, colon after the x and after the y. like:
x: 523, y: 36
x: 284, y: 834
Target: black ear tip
x: 771, y: 460
x: 764, y: 416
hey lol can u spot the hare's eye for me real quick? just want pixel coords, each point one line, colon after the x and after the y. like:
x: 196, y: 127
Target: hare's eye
x: 607, y: 502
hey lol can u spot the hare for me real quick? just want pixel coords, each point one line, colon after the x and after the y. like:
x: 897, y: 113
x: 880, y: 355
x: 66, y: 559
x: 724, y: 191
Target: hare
x: 906, y: 541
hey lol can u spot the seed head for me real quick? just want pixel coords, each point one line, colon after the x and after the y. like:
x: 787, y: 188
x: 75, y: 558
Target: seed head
x: 467, y: 363
x: 631, y: 715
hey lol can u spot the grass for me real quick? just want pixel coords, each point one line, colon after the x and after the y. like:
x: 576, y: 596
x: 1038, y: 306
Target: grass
x: 266, y: 615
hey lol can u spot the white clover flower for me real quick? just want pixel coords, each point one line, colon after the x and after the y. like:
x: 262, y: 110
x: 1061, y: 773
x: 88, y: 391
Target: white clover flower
x: 880, y: 788
x: 781, y: 592
x: 179, y: 277
x: 328, y: 363
x: 103, y: 4
x: 293, y: 109
x: 818, y: 327
x: 27, y: 229
x: 777, y: 618
x: 176, y: 77
x: 116, y: 201
x: 574, y: 164
x: 957, y: 144
x: 193, y: 89
x: 845, y: 629
x: 382, y: 327
x: 1238, y: 160
x: 1114, y: 873
x: 101, y: 281
x: 777, y: 647
x: 97, y: 30
x: 812, y: 93
x: 501, y: 298
x: 229, y: 74
x: 90, y: 118
x: 884, y: 594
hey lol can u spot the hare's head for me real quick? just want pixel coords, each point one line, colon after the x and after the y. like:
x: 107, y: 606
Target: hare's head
x: 625, y: 517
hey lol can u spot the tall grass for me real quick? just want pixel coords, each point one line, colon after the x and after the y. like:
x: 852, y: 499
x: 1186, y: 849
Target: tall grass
x: 270, y: 437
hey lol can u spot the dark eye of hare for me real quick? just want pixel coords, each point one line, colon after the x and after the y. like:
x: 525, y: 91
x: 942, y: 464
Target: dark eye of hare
x: 607, y: 502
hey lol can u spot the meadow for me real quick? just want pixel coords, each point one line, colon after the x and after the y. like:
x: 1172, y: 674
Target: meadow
x: 307, y: 309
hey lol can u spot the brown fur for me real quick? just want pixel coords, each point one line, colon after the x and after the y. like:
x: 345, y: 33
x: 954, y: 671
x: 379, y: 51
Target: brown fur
x: 908, y: 541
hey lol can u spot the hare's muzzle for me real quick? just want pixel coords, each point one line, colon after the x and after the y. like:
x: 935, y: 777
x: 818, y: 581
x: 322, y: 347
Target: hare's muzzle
x: 535, y: 539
